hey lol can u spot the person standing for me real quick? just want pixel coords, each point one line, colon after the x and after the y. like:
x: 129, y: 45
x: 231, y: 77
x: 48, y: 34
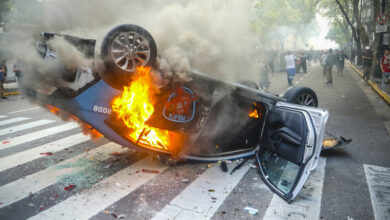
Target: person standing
x: 330, y: 61
x: 323, y: 61
x: 385, y: 67
x: 290, y: 66
x: 3, y: 75
x: 18, y: 68
x: 367, y: 63
x: 340, y: 62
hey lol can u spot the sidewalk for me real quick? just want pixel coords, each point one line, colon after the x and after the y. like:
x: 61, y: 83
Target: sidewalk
x: 375, y: 83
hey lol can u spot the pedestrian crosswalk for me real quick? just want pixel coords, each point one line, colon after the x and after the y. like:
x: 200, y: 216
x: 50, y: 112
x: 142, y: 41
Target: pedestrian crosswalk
x: 106, y: 174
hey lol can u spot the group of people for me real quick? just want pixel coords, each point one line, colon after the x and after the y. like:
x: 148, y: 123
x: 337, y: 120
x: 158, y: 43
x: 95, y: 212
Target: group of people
x: 328, y: 60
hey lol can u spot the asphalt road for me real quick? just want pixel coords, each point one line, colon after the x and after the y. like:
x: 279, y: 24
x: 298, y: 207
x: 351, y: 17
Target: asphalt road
x: 349, y: 183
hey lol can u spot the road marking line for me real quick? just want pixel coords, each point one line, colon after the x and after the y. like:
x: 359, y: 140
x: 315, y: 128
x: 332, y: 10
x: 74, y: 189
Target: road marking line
x: 195, y: 202
x: 307, y: 205
x: 378, y: 180
x: 34, y: 153
x: 12, y: 120
x: 3, y: 116
x: 24, y: 110
x: 37, y: 135
x: 89, y: 202
x: 21, y: 188
x: 26, y: 126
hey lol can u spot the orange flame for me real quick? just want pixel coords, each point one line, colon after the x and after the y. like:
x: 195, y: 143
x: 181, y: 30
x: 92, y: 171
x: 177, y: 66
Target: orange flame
x: 254, y: 113
x: 135, y: 106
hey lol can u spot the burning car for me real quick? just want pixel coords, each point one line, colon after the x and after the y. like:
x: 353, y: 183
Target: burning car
x: 135, y: 103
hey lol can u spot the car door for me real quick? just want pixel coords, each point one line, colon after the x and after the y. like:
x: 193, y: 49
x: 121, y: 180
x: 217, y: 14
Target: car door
x: 290, y: 147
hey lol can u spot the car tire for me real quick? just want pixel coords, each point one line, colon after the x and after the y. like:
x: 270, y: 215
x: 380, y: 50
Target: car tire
x: 123, y: 49
x: 302, y: 96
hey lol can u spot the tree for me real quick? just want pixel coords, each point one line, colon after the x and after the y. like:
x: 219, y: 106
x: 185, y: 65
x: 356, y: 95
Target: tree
x: 268, y: 16
x: 5, y: 6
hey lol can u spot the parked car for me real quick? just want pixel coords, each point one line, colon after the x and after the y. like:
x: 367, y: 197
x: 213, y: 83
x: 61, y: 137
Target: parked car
x: 200, y: 118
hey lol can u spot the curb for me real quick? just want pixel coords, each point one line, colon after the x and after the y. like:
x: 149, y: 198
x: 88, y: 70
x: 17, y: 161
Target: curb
x: 374, y: 86
x: 11, y: 93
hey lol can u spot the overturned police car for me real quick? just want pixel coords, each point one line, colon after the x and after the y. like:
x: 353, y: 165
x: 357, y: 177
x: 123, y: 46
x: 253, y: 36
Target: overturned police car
x: 139, y: 102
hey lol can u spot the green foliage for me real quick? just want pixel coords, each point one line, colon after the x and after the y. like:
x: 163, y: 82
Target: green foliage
x: 338, y: 29
x: 272, y: 14
x: 5, y: 6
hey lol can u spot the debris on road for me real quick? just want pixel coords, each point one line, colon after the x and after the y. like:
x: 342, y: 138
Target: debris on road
x: 150, y: 171
x: 251, y: 210
x: 333, y: 142
x: 209, y: 165
x: 116, y: 154
x: 224, y: 166
x: 253, y: 166
x: 185, y: 180
x: 69, y: 187
x: 239, y: 165
x: 211, y: 190
x: 47, y: 153
x: 5, y: 142
x: 41, y: 207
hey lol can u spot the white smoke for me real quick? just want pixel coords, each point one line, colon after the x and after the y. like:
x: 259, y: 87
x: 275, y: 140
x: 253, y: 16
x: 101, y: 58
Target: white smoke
x: 213, y: 36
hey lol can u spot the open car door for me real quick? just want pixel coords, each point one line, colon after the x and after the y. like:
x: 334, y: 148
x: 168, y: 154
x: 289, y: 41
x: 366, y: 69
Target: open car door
x: 290, y: 147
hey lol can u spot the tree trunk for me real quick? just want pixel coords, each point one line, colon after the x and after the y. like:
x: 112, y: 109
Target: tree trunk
x: 377, y: 6
x: 360, y: 27
x: 355, y: 33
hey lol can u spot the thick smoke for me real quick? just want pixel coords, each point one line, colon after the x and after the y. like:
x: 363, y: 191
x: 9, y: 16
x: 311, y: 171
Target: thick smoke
x: 212, y: 36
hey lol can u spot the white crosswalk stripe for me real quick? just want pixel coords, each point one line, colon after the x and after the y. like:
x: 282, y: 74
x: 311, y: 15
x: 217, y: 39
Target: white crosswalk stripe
x: 2, y: 116
x: 196, y: 201
x: 35, y: 153
x: 21, y: 188
x: 378, y: 180
x: 193, y: 202
x: 307, y: 205
x: 105, y: 193
x: 37, y: 135
x: 12, y: 120
x: 25, y: 126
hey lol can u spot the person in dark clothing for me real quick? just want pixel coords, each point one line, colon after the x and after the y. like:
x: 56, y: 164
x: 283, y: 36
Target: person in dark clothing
x: 329, y: 62
x: 303, y: 62
x: 367, y: 62
x: 353, y: 56
x: 18, y: 67
x: 340, y: 62
x: 3, y: 75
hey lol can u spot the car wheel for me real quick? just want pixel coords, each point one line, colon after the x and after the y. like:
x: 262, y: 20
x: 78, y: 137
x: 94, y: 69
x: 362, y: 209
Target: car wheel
x: 302, y: 96
x: 123, y: 49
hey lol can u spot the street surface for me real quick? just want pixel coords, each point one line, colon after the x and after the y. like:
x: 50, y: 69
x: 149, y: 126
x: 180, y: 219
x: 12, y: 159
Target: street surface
x: 85, y: 179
